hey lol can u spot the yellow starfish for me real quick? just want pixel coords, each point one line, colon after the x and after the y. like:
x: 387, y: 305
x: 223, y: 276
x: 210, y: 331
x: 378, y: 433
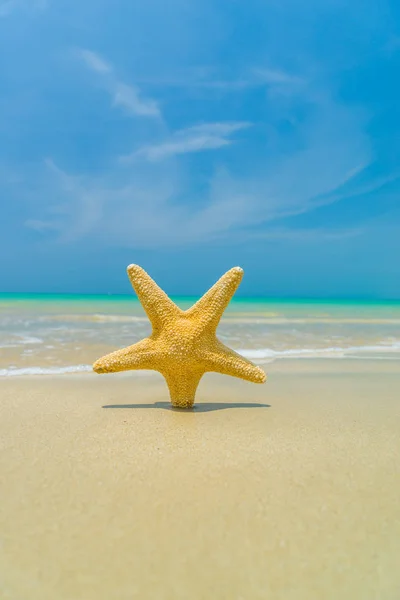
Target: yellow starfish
x: 183, y: 344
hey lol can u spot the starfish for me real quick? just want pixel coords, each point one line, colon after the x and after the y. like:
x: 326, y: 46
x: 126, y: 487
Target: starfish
x: 183, y: 344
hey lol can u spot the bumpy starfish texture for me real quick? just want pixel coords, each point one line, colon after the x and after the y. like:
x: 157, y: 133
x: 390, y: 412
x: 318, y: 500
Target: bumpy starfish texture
x: 183, y: 344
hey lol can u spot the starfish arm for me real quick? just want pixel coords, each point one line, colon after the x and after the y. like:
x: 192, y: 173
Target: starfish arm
x: 139, y: 356
x: 209, y: 309
x: 159, y: 308
x: 227, y: 362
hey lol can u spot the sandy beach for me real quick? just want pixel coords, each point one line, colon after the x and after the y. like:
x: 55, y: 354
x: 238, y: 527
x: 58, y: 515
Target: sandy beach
x: 287, y: 490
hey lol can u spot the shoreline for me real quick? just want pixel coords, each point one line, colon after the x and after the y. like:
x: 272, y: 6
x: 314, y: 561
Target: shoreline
x: 317, y: 365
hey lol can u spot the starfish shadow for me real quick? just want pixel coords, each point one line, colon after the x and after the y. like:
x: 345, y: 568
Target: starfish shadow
x: 199, y: 407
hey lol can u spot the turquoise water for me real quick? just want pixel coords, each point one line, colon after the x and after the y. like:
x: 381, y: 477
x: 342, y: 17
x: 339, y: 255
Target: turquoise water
x: 62, y: 333
x: 283, y: 305
x: 6, y: 296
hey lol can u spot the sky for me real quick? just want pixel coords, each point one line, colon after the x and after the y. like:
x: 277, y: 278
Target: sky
x: 191, y: 137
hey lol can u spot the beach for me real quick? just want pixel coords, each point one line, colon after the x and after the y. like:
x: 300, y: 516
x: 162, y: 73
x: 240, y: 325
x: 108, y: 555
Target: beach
x: 199, y: 300
x: 287, y: 490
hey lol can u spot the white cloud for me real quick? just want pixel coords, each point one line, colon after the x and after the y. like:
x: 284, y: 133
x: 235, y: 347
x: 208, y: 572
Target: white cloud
x: 94, y: 61
x: 212, y: 79
x: 300, y: 159
x: 277, y: 76
x: 208, y: 136
x: 138, y: 207
x: 142, y: 205
x: 123, y: 95
x: 129, y: 98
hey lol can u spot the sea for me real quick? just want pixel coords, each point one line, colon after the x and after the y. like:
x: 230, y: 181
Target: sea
x: 50, y: 334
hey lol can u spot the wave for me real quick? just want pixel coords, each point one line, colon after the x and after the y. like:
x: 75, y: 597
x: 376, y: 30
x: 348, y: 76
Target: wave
x: 257, y: 354
x: 28, y: 371
x: 24, y: 341
x: 27, y: 339
x: 15, y: 372
x: 332, y: 352
x: 260, y: 319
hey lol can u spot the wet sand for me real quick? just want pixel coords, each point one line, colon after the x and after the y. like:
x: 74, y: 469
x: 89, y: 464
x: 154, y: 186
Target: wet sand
x: 287, y: 491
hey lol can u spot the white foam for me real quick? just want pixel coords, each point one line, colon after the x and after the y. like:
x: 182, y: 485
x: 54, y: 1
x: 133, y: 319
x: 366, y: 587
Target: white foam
x: 332, y: 352
x: 268, y: 353
x: 257, y: 354
x: 16, y: 372
x: 27, y: 339
x: 29, y: 371
x: 257, y: 319
x: 22, y: 340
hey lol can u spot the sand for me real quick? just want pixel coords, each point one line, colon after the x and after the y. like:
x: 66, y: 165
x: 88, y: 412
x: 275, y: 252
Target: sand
x: 289, y: 490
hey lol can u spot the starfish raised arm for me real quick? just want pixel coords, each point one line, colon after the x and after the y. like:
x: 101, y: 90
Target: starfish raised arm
x: 159, y: 308
x: 228, y: 362
x: 138, y: 356
x: 210, y: 308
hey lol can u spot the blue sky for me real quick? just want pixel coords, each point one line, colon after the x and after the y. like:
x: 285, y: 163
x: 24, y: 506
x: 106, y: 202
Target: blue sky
x: 190, y: 137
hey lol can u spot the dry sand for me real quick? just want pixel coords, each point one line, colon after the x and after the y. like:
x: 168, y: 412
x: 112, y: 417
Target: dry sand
x: 235, y: 500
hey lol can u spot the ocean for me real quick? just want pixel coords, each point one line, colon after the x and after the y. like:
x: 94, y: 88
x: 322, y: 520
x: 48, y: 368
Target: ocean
x: 49, y: 334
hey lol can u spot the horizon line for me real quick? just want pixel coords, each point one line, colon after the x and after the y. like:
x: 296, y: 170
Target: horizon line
x: 242, y: 298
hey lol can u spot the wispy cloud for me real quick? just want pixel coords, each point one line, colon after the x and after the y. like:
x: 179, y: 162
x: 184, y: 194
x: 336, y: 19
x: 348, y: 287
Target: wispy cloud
x: 142, y: 205
x: 208, y: 136
x: 94, y: 62
x: 306, y: 149
x: 139, y: 207
x: 276, y: 76
x: 128, y: 204
x: 123, y: 95
x: 130, y: 98
x: 212, y: 79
